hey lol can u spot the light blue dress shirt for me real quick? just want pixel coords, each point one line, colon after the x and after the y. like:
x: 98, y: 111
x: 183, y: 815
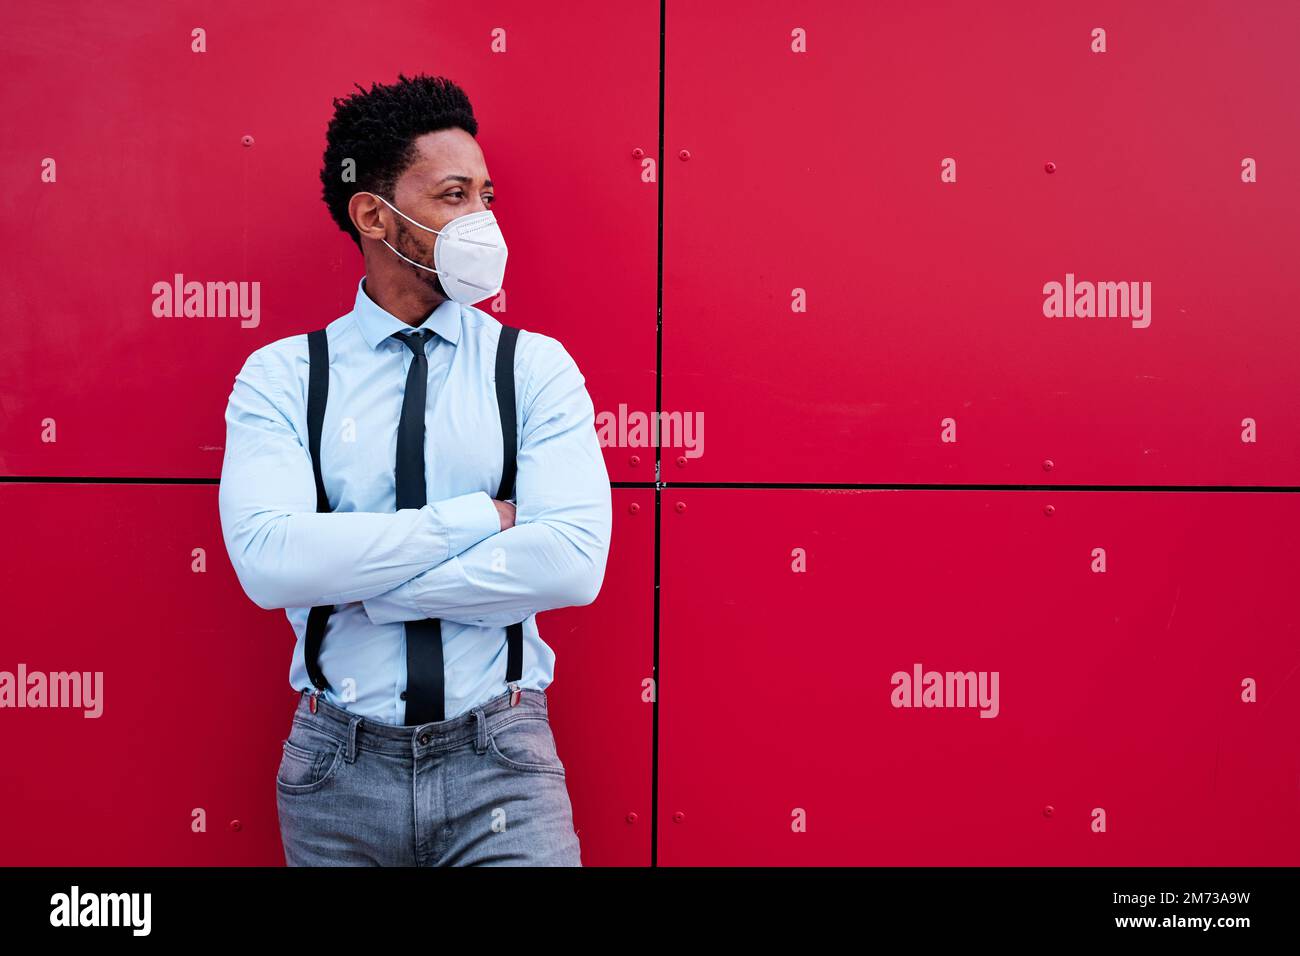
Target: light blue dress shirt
x: 450, y: 559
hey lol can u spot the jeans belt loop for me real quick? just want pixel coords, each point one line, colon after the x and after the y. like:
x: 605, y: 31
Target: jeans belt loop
x: 480, y: 738
x: 353, y: 724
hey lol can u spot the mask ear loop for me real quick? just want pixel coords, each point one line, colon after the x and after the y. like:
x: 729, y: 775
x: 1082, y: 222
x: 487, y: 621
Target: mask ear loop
x: 420, y: 265
x: 411, y: 261
x: 405, y: 216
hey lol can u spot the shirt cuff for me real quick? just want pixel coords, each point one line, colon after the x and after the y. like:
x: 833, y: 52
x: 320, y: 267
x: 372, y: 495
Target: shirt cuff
x: 466, y: 520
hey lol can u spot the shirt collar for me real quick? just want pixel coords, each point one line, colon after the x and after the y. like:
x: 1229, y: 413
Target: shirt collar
x: 377, y: 324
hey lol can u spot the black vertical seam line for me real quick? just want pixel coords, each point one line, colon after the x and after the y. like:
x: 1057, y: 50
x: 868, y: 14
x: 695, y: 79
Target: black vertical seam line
x: 659, y: 381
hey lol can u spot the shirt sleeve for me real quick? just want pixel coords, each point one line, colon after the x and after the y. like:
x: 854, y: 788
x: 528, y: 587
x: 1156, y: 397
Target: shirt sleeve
x: 284, y: 553
x: 555, y: 554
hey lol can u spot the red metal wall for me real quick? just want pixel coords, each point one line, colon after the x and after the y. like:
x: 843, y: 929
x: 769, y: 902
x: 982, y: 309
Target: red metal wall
x: 905, y: 460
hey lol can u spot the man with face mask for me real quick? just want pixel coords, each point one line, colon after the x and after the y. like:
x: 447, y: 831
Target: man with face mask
x: 367, y: 490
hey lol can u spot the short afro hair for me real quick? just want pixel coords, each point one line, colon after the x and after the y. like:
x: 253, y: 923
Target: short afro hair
x: 377, y: 130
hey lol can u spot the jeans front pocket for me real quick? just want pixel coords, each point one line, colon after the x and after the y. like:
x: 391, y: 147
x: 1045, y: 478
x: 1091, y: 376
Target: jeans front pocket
x: 525, y: 743
x: 309, y: 761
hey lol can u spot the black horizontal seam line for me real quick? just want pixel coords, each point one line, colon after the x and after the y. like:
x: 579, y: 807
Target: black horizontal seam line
x: 852, y: 486
x: 59, y: 479
x: 737, y: 485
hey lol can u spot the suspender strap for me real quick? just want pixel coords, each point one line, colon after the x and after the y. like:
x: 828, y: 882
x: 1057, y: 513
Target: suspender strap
x: 318, y: 383
x: 509, y: 438
x: 318, y: 388
x: 506, y: 403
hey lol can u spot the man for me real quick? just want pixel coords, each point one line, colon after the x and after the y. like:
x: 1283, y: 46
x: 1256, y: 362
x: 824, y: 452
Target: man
x: 363, y: 504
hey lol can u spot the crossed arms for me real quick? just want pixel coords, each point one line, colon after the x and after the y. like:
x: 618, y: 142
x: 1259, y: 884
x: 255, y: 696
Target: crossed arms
x: 449, y: 559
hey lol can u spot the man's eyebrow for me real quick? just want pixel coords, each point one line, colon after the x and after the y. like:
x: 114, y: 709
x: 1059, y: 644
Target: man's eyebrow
x: 467, y: 180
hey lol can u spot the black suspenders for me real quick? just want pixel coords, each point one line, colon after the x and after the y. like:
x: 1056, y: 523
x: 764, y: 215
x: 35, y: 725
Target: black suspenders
x: 317, y: 393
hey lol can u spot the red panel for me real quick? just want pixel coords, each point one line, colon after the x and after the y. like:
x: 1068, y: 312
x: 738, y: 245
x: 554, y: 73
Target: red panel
x: 821, y: 171
x: 603, y: 721
x: 1118, y: 690
x: 196, y: 698
x: 154, y: 180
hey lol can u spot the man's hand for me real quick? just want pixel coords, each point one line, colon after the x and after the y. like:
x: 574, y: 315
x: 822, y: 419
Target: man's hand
x: 507, y: 512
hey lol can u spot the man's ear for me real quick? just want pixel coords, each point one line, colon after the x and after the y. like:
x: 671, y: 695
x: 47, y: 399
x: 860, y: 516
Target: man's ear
x: 364, y: 210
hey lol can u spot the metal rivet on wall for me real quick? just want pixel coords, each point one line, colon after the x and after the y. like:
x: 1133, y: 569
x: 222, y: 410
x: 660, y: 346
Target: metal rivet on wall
x: 246, y: 140
x: 634, y: 460
x: 1050, y: 167
x: 1048, y: 465
x: 678, y: 817
x: 681, y: 506
x: 634, y: 507
x: 236, y: 825
x: 638, y: 152
x: 1048, y: 810
x: 1049, y: 510
x: 631, y: 818
x: 684, y: 155
x: 681, y: 461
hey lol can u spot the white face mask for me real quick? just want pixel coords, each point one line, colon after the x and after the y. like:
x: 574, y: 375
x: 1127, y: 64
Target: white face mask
x: 469, y: 255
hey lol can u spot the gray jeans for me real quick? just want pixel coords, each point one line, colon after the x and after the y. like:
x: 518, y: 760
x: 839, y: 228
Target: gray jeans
x: 485, y: 788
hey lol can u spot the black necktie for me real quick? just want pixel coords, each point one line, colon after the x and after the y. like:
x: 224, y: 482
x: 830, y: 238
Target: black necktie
x: 424, y: 685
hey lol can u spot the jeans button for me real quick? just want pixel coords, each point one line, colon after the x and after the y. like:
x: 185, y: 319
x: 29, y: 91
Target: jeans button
x: 424, y: 737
